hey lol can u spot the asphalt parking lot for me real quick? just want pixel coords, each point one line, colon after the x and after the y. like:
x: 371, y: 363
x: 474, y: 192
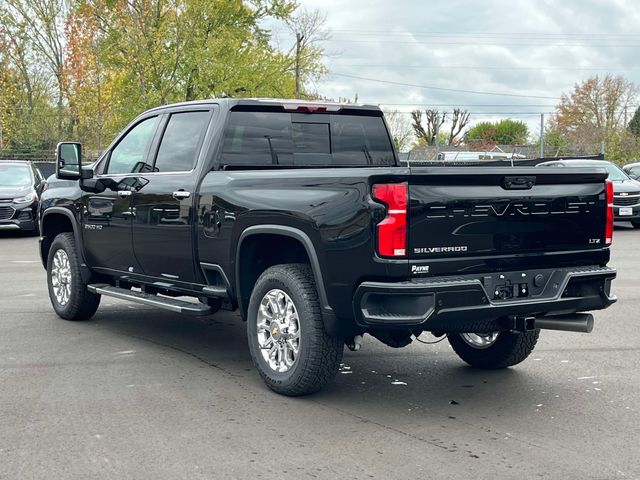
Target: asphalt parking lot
x: 143, y: 393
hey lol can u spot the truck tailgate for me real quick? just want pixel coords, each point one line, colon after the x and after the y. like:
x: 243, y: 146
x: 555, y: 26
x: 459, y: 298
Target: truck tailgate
x: 487, y: 211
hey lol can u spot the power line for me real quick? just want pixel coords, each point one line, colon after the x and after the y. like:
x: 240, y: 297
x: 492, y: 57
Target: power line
x: 483, y: 67
x: 443, y: 89
x: 449, y: 38
x: 476, y: 43
x: 492, y: 34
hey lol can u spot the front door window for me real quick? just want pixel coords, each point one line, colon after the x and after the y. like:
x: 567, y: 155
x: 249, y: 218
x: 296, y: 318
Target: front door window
x: 129, y: 155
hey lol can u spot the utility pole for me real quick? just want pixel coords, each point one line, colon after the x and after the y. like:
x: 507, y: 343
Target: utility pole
x: 299, y: 38
x: 435, y: 136
x: 542, y: 135
x: 626, y: 122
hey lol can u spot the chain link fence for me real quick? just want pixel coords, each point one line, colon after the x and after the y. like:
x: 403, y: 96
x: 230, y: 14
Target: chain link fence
x: 461, y: 153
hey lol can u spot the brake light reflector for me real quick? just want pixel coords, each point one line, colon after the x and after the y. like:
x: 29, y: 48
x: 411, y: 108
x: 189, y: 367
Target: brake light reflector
x: 608, y: 236
x: 392, y: 231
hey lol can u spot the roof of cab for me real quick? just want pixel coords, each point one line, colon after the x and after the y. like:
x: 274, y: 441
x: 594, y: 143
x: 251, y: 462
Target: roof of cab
x: 288, y: 103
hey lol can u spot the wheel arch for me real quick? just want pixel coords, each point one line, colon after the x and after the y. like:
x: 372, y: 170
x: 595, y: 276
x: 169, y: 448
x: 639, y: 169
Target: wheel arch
x: 56, y: 220
x: 244, y: 283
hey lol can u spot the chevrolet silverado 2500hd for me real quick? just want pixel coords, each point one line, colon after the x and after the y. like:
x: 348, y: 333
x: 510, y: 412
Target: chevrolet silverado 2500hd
x: 299, y: 215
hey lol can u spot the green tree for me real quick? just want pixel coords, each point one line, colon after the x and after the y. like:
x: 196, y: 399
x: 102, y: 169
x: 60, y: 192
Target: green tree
x: 621, y: 147
x: 555, y: 144
x: 39, y: 26
x: 634, y: 124
x: 84, y: 68
x: 154, y: 52
x: 27, y: 116
x: 503, y: 132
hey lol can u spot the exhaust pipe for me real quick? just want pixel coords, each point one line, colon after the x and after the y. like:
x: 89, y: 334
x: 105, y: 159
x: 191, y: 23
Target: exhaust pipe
x: 577, y: 322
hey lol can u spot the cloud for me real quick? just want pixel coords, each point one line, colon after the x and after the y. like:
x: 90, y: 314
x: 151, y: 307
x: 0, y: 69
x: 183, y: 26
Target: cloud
x: 494, y: 45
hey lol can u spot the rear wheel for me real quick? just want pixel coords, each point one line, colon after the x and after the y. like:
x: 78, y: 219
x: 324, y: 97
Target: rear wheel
x: 68, y: 292
x: 494, y: 350
x: 636, y: 223
x: 287, y: 340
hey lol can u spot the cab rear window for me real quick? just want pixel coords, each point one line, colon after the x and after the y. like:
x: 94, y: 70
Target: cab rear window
x: 279, y: 138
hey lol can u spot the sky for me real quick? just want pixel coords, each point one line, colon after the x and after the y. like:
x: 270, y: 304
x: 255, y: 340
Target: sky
x: 525, y: 53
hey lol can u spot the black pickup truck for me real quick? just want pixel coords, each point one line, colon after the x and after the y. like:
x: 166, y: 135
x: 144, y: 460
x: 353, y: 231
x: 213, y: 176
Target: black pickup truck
x: 299, y: 215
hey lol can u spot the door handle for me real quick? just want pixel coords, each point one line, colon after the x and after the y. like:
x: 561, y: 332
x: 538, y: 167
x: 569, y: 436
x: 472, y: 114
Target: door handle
x: 181, y: 194
x: 130, y: 212
x: 124, y: 193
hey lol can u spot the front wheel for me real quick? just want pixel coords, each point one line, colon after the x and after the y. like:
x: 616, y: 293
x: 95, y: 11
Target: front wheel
x: 494, y: 350
x: 68, y: 292
x: 287, y: 340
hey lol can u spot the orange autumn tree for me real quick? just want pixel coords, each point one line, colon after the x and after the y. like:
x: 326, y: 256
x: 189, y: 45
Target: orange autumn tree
x: 88, y: 83
x: 596, y: 110
x: 90, y: 66
x: 127, y: 56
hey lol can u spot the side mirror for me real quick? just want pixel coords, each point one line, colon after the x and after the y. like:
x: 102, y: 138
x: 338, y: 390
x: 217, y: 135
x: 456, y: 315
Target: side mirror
x: 69, y: 161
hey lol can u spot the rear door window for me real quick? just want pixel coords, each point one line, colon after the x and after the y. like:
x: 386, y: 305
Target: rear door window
x: 180, y: 142
x: 260, y: 138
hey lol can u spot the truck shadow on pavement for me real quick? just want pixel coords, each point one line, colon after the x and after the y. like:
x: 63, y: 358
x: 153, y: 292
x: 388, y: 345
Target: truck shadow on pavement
x: 417, y: 380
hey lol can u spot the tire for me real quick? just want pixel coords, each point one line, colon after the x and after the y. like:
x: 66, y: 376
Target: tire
x: 636, y: 223
x: 77, y: 303
x: 508, y: 349
x: 319, y: 354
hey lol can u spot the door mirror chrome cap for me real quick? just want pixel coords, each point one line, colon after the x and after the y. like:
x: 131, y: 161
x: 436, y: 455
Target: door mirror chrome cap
x: 69, y: 161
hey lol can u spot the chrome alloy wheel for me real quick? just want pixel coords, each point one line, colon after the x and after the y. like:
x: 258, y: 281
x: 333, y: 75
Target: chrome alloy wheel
x: 480, y: 340
x: 278, y: 330
x: 61, y: 277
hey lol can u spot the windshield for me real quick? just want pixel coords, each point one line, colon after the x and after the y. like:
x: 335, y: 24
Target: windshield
x: 14, y: 175
x: 616, y: 174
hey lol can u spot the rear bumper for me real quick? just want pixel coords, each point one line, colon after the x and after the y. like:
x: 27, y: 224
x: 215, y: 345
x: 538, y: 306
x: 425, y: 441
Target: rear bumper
x: 473, y: 303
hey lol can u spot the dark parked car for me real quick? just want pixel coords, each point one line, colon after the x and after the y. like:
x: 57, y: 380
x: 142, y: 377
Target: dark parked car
x: 21, y: 184
x: 626, y: 196
x: 300, y: 216
x: 633, y: 170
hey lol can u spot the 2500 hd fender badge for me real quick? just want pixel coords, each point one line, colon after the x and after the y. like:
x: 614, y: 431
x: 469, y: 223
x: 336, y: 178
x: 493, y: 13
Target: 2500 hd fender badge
x: 91, y: 226
x: 458, y: 248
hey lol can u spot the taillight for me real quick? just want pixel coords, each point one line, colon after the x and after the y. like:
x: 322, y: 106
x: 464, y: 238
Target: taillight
x: 608, y: 236
x: 392, y: 231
